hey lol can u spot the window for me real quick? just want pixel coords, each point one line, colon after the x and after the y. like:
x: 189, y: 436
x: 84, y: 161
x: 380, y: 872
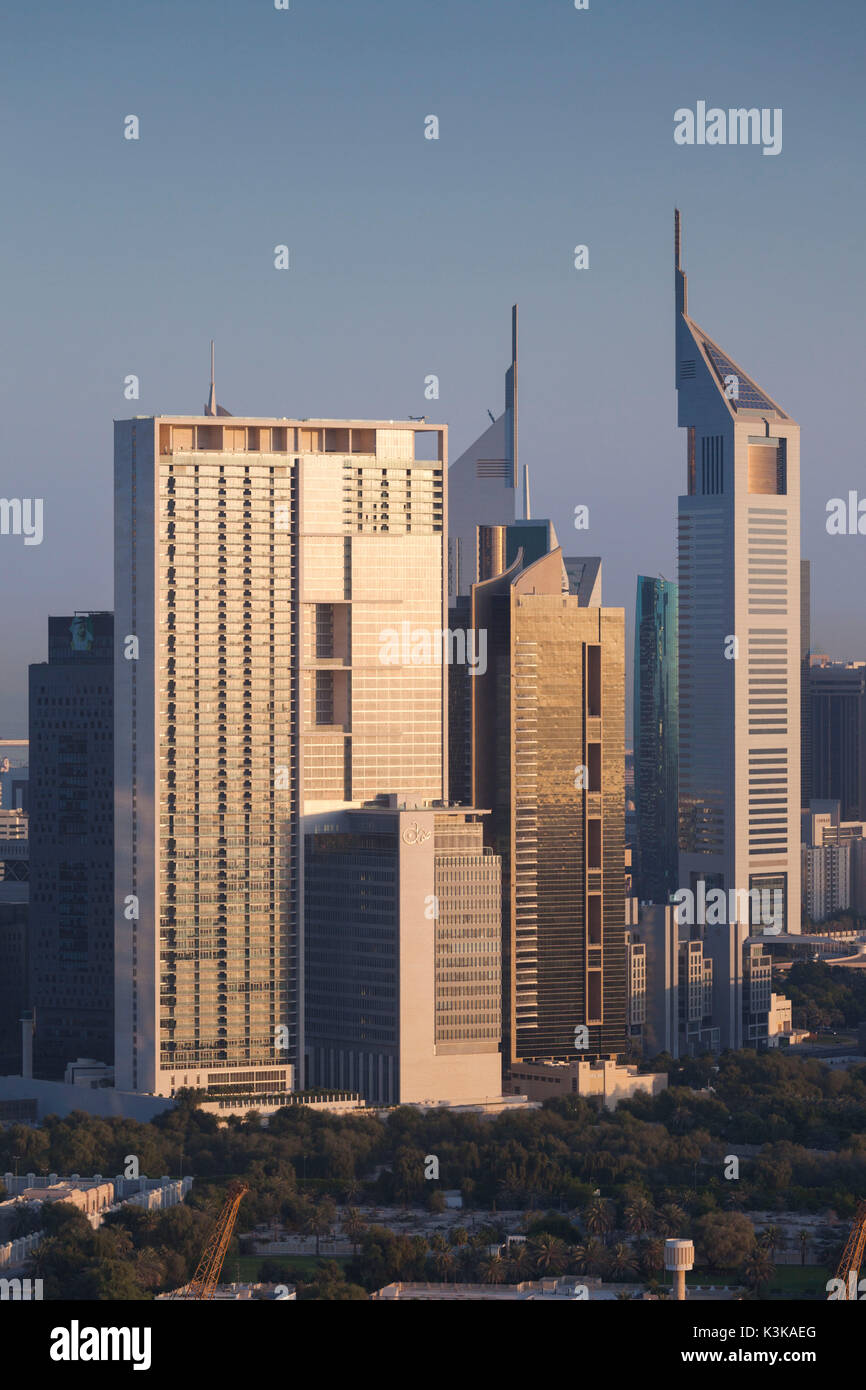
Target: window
x: 593, y: 681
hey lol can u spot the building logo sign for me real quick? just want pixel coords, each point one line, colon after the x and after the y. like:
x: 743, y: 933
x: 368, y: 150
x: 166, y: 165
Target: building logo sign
x: 414, y: 835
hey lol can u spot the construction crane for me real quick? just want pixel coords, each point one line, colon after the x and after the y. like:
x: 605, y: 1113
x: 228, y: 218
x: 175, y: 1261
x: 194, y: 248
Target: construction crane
x: 204, y: 1281
x: 849, y: 1267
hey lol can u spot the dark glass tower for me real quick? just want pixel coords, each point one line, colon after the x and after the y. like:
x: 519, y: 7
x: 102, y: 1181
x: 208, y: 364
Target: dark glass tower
x: 656, y: 736
x: 72, y: 844
x: 837, y: 725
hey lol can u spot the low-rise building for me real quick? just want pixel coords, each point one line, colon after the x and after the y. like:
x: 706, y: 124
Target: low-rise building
x: 605, y: 1080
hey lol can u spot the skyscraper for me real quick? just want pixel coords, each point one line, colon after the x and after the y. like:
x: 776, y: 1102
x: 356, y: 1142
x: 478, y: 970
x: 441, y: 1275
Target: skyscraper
x: 272, y: 580
x: 71, y: 948
x: 739, y: 625
x: 14, y: 935
x: 547, y: 759
x: 483, y: 484
x: 656, y: 737
x: 805, y: 714
x: 837, y: 729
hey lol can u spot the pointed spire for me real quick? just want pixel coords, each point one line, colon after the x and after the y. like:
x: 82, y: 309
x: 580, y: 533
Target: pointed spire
x: 681, y: 287
x: 511, y: 401
x: 211, y: 407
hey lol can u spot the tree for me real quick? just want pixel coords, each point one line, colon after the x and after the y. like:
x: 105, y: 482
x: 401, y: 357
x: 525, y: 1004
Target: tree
x: 150, y: 1269
x: 320, y: 1220
x: 521, y: 1263
x: 592, y: 1257
x: 493, y: 1270
x: 725, y: 1238
x: 771, y: 1238
x: 639, y: 1215
x: 598, y: 1217
x: 652, y: 1255
x: 550, y: 1254
x: 354, y: 1226
x: 672, y: 1220
x: 622, y: 1260
x: 759, y: 1268
x: 445, y: 1263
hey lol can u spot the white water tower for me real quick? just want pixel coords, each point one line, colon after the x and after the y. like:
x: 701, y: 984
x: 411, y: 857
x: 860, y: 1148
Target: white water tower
x: 679, y: 1257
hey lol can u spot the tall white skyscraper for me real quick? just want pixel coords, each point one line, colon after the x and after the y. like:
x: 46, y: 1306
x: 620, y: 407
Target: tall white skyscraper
x: 739, y: 628
x: 263, y: 566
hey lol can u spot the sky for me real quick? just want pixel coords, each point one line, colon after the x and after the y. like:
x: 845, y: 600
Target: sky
x: 305, y: 127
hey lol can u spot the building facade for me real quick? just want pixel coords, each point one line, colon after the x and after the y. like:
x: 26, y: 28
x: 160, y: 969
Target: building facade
x: 656, y: 738
x: 403, y: 979
x: 71, y: 790
x: 547, y: 759
x: 279, y: 587
x: 739, y: 625
x: 837, y: 728
x: 14, y: 935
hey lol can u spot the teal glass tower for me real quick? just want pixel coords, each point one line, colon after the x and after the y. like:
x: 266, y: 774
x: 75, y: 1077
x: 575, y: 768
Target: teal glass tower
x: 656, y: 736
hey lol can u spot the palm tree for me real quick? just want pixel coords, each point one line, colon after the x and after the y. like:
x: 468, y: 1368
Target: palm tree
x: 598, y: 1217
x: 652, y: 1254
x: 672, y: 1219
x: 759, y: 1268
x: 596, y: 1257
x: 444, y: 1263
x: 639, y: 1215
x: 622, y: 1260
x: 352, y: 1190
x: 551, y: 1254
x: 770, y: 1239
x: 493, y: 1270
x: 521, y: 1264
x: 319, y: 1221
x: 354, y: 1226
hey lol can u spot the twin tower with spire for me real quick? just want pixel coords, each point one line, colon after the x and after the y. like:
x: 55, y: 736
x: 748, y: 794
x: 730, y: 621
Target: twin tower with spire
x: 739, y: 672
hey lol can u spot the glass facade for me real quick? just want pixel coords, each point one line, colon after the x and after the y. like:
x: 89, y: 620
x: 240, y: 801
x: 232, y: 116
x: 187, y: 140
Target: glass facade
x: 656, y: 737
x: 550, y: 705
x: 71, y: 830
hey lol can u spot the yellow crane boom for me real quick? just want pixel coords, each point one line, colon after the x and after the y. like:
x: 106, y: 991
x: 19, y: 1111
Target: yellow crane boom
x: 204, y: 1281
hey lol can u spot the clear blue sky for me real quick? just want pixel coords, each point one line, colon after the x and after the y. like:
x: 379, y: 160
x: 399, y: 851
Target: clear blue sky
x: 305, y: 127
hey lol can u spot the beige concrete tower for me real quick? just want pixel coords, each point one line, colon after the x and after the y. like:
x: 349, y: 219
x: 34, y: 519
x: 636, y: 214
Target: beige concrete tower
x: 258, y: 564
